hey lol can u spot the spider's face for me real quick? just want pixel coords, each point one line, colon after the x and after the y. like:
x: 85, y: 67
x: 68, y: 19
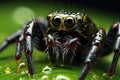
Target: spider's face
x: 64, y: 21
x: 61, y: 39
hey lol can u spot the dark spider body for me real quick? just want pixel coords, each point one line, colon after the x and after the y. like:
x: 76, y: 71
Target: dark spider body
x: 72, y: 37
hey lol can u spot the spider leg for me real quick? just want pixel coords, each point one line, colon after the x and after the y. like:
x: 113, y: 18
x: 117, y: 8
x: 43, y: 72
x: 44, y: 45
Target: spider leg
x: 10, y: 39
x: 32, y: 34
x: 19, y: 47
x: 93, y: 53
x: 28, y: 47
x: 116, y: 50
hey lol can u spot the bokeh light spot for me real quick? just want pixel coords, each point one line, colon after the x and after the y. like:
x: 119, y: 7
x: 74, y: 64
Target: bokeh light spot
x: 23, y: 14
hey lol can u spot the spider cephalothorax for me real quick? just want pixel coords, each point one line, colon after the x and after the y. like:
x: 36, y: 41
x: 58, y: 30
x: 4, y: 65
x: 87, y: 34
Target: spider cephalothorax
x: 67, y: 34
x: 71, y: 37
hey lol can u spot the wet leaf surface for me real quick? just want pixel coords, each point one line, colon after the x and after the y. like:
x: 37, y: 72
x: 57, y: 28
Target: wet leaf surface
x: 10, y: 70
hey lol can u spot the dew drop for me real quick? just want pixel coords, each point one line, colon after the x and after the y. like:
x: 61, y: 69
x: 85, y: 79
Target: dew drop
x: 62, y: 77
x: 22, y: 69
x: 47, y: 70
x: 44, y: 77
x: 106, y: 76
x: 7, y: 70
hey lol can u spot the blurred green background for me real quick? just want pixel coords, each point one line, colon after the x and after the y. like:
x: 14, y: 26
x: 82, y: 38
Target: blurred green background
x: 13, y: 14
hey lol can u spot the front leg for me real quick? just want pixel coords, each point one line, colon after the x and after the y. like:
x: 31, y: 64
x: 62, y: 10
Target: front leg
x: 113, y: 65
x: 28, y: 46
x: 93, y: 53
x: 34, y: 34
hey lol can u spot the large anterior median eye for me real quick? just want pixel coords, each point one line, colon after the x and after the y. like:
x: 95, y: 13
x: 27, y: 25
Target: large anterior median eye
x: 56, y: 21
x: 69, y: 22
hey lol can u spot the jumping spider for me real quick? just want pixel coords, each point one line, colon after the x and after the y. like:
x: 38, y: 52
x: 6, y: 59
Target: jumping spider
x: 72, y: 37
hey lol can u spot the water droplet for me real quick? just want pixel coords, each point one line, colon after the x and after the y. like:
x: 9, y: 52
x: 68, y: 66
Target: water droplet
x: 106, y: 76
x: 94, y: 76
x: 22, y: 69
x: 47, y: 70
x: 61, y: 65
x: 21, y: 78
x: 44, y: 77
x: 62, y: 77
x: 7, y: 70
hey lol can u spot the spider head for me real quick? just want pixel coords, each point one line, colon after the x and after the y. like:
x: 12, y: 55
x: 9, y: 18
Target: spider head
x: 65, y: 21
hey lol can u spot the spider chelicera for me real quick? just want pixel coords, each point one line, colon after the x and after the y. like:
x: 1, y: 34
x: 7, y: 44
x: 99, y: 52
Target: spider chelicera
x: 71, y: 37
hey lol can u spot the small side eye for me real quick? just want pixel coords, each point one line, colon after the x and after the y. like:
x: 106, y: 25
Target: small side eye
x: 69, y: 22
x: 80, y: 21
x: 56, y: 21
x: 48, y: 17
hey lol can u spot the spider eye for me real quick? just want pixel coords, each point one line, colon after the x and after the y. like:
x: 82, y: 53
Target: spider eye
x: 48, y: 17
x: 69, y: 22
x: 56, y: 21
x: 80, y: 21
